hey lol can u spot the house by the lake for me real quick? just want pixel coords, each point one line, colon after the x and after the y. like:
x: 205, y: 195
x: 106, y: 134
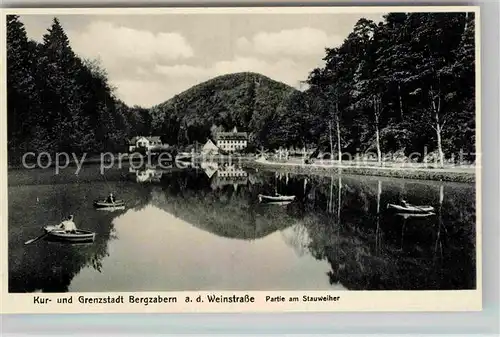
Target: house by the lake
x: 231, y: 141
x: 146, y: 142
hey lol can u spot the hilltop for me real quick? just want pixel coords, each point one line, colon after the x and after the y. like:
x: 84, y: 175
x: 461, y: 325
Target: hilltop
x: 249, y: 101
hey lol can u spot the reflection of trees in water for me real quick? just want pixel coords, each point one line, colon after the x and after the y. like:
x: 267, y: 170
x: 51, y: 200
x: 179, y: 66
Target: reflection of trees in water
x: 342, y: 220
x: 224, y: 211
x: 98, y: 255
x: 362, y: 243
x: 298, y: 238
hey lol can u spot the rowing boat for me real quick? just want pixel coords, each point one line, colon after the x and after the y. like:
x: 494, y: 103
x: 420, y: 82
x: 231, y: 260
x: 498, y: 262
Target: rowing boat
x: 276, y: 198
x: 410, y: 208
x: 107, y: 204
x: 111, y: 208
x: 79, y: 235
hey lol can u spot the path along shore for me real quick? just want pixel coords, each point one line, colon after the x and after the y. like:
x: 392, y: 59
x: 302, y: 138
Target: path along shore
x: 452, y: 174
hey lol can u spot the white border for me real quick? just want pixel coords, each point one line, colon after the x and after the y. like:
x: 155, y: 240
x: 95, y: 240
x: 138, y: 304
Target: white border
x: 357, y: 301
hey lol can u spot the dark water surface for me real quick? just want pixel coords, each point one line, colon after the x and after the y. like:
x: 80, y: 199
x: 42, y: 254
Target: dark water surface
x: 204, y: 229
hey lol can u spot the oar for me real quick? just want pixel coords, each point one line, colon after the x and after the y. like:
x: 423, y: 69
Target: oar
x: 38, y: 238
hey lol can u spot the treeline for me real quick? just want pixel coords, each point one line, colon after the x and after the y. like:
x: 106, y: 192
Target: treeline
x: 57, y: 101
x: 405, y: 85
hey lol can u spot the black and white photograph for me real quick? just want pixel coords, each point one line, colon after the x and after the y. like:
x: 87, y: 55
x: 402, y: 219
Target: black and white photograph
x: 330, y: 151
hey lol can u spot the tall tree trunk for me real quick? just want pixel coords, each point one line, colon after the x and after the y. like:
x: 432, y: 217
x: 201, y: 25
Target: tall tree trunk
x: 439, y: 142
x: 436, y: 109
x: 331, y: 140
x: 376, y: 107
x: 337, y: 120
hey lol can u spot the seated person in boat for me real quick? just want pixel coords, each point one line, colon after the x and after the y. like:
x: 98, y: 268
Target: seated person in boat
x: 111, y: 198
x: 405, y: 203
x: 68, y: 225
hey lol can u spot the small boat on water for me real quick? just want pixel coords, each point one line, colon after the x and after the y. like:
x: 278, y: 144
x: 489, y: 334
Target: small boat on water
x: 415, y: 215
x: 410, y: 208
x: 111, y: 208
x: 80, y: 235
x: 107, y: 204
x: 278, y: 198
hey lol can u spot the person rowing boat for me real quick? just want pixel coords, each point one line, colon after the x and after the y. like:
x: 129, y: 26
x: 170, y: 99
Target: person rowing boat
x: 111, y: 198
x: 68, y: 225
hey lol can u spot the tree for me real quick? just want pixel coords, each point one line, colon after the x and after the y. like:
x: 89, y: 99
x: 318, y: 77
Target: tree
x: 22, y: 96
x: 433, y: 43
x: 369, y: 83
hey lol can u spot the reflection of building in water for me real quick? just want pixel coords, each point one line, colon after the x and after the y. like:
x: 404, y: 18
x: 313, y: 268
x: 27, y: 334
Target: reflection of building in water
x: 149, y: 174
x: 229, y: 174
x: 209, y: 168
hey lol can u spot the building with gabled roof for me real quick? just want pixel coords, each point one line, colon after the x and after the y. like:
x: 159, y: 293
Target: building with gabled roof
x: 209, y: 147
x: 231, y: 141
x: 147, y: 142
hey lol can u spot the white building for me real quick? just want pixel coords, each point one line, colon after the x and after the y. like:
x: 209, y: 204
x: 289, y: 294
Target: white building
x: 232, y: 141
x: 144, y: 142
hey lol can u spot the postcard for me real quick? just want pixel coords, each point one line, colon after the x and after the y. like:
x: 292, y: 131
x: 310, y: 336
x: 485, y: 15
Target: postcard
x: 241, y: 159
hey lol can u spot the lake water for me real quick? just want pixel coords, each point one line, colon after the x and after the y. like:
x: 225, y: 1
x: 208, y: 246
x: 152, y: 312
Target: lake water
x: 204, y: 229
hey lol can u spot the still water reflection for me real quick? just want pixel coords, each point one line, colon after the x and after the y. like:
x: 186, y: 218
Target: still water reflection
x: 204, y: 229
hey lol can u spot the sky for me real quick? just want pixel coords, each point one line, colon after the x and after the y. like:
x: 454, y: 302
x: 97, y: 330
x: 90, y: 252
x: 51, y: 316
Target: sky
x: 151, y: 58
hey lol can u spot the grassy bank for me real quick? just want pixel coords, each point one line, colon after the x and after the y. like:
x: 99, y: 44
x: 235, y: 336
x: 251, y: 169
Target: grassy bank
x: 463, y: 175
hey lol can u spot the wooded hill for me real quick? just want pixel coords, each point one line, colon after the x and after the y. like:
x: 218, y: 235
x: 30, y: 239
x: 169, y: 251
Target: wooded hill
x: 249, y: 101
x: 400, y: 86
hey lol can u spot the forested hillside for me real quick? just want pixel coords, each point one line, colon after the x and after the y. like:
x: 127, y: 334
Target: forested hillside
x: 249, y: 101
x: 58, y: 102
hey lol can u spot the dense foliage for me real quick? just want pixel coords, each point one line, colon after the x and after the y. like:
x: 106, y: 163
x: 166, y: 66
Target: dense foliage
x: 399, y: 87
x: 404, y: 85
x: 58, y: 102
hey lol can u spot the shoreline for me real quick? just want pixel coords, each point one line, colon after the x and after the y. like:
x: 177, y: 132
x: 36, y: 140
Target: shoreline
x: 128, y: 158
x: 434, y: 174
x: 450, y: 174
x: 120, y: 158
